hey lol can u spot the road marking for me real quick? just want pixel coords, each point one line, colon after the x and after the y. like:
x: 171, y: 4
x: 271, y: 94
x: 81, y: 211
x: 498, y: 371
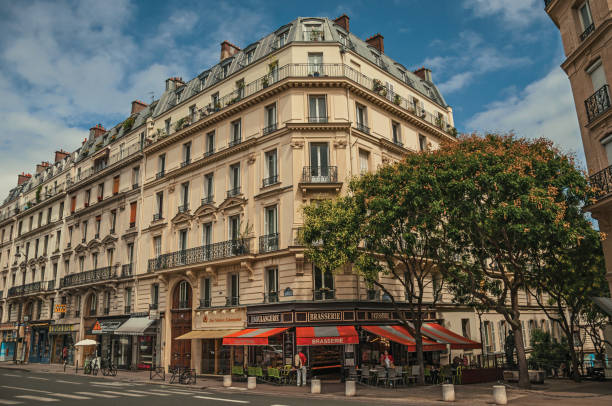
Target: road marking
x: 38, y: 398
x: 221, y: 399
x: 69, y: 396
x: 99, y: 395
x: 236, y: 388
x: 27, y: 389
x: 38, y: 378
x: 113, y: 384
x: 11, y: 375
x: 122, y: 393
x: 9, y: 402
x: 176, y: 391
x: 74, y: 383
x: 148, y: 393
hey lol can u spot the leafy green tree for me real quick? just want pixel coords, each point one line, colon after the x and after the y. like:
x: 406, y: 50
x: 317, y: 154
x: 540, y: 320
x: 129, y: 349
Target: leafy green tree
x: 546, y: 353
x: 505, y: 199
x: 389, y: 225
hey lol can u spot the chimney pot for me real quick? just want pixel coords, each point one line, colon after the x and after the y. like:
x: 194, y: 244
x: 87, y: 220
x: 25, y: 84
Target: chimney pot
x: 173, y: 83
x: 228, y: 49
x: 61, y: 154
x: 23, y: 178
x: 41, y: 167
x: 424, y: 73
x: 138, y: 106
x: 377, y: 41
x: 97, y: 130
x: 343, y: 21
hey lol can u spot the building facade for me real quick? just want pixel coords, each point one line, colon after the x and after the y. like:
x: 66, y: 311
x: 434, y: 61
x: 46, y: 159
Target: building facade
x: 180, y: 225
x: 586, y: 33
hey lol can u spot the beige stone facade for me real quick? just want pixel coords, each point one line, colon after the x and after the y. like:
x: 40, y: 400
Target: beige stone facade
x: 190, y: 209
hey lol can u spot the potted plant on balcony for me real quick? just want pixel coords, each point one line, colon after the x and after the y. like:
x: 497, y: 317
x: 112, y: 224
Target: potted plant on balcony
x: 38, y: 194
x: 128, y: 123
x: 397, y: 99
x: 180, y: 124
x: 265, y: 81
x: 316, y: 35
x: 379, y: 88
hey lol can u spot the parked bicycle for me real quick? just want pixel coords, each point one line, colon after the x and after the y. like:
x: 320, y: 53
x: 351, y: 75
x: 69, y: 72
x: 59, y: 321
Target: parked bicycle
x: 92, y: 367
x: 108, y: 368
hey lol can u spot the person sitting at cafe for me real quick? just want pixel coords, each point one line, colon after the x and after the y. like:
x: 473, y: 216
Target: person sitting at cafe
x: 386, y: 360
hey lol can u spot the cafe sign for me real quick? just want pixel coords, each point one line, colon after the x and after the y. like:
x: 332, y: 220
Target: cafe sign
x: 324, y: 316
x: 62, y: 328
x: 215, y: 319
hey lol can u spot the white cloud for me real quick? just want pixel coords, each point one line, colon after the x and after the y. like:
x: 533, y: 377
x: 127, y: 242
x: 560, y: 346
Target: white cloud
x: 456, y: 82
x: 516, y: 12
x: 544, y: 108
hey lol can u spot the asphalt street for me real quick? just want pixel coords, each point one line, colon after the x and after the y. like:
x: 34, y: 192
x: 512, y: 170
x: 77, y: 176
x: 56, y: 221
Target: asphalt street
x: 31, y: 388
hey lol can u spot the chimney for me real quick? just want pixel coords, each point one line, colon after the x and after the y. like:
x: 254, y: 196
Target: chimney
x: 228, y: 49
x: 41, y: 167
x: 97, y: 130
x: 423, y: 73
x: 138, y: 106
x: 173, y: 83
x: 377, y: 42
x: 61, y: 154
x: 343, y: 21
x: 23, y: 178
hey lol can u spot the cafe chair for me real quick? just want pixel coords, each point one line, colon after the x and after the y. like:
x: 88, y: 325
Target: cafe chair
x: 274, y: 375
x: 381, y: 377
x: 365, y: 376
x: 394, y: 379
x: 287, y: 376
x: 238, y: 372
x: 427, y: 373
x: 457, y: 376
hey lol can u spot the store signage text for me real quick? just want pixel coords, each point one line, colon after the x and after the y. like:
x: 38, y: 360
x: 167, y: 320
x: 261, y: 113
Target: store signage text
x: 60, y: 308
x: 324, y: 316
x: 62, y: 328
x: 265, y: 318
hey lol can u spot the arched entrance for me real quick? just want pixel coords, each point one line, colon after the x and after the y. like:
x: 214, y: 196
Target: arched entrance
x: 182, y: 299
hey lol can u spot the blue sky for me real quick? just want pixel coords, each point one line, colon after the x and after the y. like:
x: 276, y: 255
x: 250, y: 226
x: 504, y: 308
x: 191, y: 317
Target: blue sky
x: 67, y: 65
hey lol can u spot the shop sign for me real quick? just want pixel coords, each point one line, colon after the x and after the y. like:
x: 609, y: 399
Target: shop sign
x: 264, y: 318
x: 60, y: 308
x: 62, y: 328
x: 381, y: 316
x: 324, y: 316
x: 7, y: 326
x: 222, y: 318
x: 154, y: 314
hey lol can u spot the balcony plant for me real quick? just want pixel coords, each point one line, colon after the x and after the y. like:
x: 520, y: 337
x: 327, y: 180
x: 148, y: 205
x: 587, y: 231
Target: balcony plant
x: 316, y: 35
x: 128, y: 124
x: 397, y: 99
x: 265, y: 81
x: 379, y: 88
x: 180, y: 124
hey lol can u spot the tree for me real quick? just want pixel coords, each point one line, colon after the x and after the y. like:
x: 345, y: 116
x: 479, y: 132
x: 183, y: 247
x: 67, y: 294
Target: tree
x: 569, y: 279
x: 388, y: 226
x: 546, y: 353
x: 505, y: 198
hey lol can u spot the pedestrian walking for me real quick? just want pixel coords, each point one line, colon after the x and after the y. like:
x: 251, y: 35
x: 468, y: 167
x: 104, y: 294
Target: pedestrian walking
x: 299, y: 362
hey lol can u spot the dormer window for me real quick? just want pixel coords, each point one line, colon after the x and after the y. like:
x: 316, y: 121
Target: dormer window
x: 282, y: 38
x: 226, y: 70
x: 313, y: 32
x: 250, y: 55
x: 342, y: 38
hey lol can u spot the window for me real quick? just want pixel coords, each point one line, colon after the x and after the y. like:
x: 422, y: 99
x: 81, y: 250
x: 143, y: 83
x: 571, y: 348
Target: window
x: 186, y: 154
x: 58, y: 237
x: 422, y: 143
x: 586, y: 18
x: 84, y: 232
x: 101, y: 191
x: 72, y: 209
x: 110, y: 253
x: 161, y: 165
x: 210, y: 143
x: 192, y: 114
x: 207, y: 234
x: 323, y: 284
x: 214, y: 99
x: 133, y: 214
x: 318, y: 109
x: 225, y: 69
x: 205, y: 293
x: 233, y: 291
x: 282, y: 39
x: 87, y: 197
x: 234, y: 180
x: 182, y: 240
x: 273, y: 67
x: 364, y: 158
x: 36, y: 248
x: 396, y: 133
x: 113, y: 220
x: 49, y: 213
x: 234, y: 227
x: 157, y: 246
x: 94, y: 260
x: 97, y: 225
x: 40, y: 217
x: 128, y: 300
x: 313, y: 32
x: 154, y: 296
x: 107, y: 300
x: 272, y: 285
x: 135, y: 177
x: 61, y: 211
x: 130, y: 253
x: 269, y: 241
x: 270, y: 119
x: 271, y: 168
x: 184, y: 295
x: 69, y: 236
x: 319, y: 163
x: 236, y: 133
x: 597, y: 74
x: 184, y: 197
x: 116, y: 180
x: 465, y: 328
x: 343, y: 39
x: 239, y: 89
x: 208, y: 189
x: 167, y: 126
x: 45, y: 245
x: 250, y: 55
x: 81, y: 264
x: 315, y: 64
x: 159, y: 197
x: 361, y: 118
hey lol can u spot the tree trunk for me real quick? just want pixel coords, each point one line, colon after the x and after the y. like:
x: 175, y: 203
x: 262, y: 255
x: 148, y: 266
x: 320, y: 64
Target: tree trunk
x: 520, y: 356
x: 419, y: 352
x: 574, y: 357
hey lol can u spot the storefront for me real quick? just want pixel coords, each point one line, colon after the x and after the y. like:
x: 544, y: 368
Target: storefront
x: 135, y: 343
x: 103, y: 329
x: 40, y: 346
x: 8, y: 340
x: 63, y: 335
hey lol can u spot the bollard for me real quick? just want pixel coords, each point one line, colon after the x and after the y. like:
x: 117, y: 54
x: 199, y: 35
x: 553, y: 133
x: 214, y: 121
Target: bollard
x: 315, y: 386
x: 499, y: 395
x: 227, y: 380
x: 448, y: 392
x: 252, y: 382
x: 350, y: 388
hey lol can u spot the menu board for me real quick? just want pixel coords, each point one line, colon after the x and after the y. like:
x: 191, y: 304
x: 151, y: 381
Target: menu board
x: 288, y: 348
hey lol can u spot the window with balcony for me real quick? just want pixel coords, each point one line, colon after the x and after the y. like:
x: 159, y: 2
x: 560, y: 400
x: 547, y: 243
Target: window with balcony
x: 361, y: 118
x: 94, y: 260
x: 207, y: 234
x: 159, y: 210
x: 317, y: 109
x: 214, y: 100
x: 210, y: 144
x: 233, y: 293
x: 205, y: 295
x: 184, y: 198
x: 323, y: 284
x: 315, y: 64
x: 586, y: 20
x: 271, y: 285
x: 270, y: 119
x: 209, y: 190
x: 186, y: 154
x: 313, y: 32
x: 236, y: 133
x: 234, y: 227
x: 234, y: 180
x: 271, y: 168
x: 282, y: 38
x: 110, y: 253
x: 319, y: 171
x: 182, y: 242
x: 161, y: 166
x: 167, y: 124
x: 396, y: 133
x: 269, y: 241
x: 157, y: 246
x: 193, y: 114
x: 364, y: 161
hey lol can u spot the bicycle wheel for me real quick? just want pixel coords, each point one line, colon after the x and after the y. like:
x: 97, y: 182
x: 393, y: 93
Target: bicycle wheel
x: 113, y: 371
x: 95, y: 370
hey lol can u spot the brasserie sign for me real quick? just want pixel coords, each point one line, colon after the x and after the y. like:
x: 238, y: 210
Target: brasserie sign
x: 324, y: 316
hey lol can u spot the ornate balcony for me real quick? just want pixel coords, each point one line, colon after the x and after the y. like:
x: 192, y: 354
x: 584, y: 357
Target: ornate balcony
x: 362, y: 127
x: 602, y: 180
x: 26, y: 289
x: 268, y: 243
x: 598, y: 103
x: 271, y: 297
x: 81, y: 278
x: 587, y: 31
x: 270, y: 180
x: 160, y: 174
x: 234, y: 141
x: 323, y: 294
x: 270, y: 129
x: 207, y: 199
x: 198, y: 255
x: 232, y: 300
x: 234, y: 192
x: 126, y: 270
x: 320, y: 174
x: 183, y: 208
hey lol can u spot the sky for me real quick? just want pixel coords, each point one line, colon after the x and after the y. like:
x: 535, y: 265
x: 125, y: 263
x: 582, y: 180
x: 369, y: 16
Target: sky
x: 68, y: 65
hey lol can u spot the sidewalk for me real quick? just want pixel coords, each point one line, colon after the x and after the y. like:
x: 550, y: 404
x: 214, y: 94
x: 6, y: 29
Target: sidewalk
x: 553, y: 392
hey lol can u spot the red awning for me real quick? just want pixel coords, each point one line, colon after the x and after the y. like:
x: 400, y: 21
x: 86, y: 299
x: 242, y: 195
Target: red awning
x: 326, y: 335
x: 445, y: 336
x: 252, y: 336
x: 399, y: 334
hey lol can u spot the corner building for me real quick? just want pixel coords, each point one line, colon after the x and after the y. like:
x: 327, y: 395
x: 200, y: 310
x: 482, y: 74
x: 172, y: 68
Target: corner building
x: 173, y: 236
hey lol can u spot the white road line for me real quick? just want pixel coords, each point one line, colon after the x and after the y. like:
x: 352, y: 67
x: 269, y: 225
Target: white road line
x: 11, y: 375
x: 98, y: 395
x: 175, y: 391
x: 122, y: 393
x: 38, y: 378
x: 236, y: 388
x: 113, y: 384
x: 69, y: 396
x: 222, y: 400
x: 38, y: 398
x: 26, y: 389
x: 9, y: 402
x: 74, y: 383
x: 148, y: 393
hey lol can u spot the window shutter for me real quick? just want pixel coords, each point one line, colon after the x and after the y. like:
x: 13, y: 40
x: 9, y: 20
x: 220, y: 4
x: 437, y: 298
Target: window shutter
x: 133, y: 212
x: 116, y: 185
x: 73, y: 204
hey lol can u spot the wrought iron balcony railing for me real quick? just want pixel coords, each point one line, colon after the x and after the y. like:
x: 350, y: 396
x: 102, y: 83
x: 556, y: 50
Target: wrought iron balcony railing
x: 233, y: 192
x: 270, y: 180
x: 25, y: 289
x: 160, y: 174
x: 271, y: 297
x: 50, y: 285
x: 205, y: 253
x: 320, y: 174
x: 598, y: 103
x: 232, y: 300
x: 323, y: 294
x: 269, y: 129
x: 207, y: 199
x: 127, y: 270
x: 602, y: 180
x: 587, y: 31
x: 235, y: 141
x: 81, y: 278
x: 157, y: 217
x: 362, y: 127
x: 185, y: 163
x: 268, y: 243
x: 183, y: 208
x: 317, y: 119
x: 209, y: 152
x: 205, y: 303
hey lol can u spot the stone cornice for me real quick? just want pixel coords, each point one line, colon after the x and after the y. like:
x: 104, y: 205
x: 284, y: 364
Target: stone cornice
x: 587, y: 44
x: 105, y: 172
x: 39, y: 230
x: 97, y: 206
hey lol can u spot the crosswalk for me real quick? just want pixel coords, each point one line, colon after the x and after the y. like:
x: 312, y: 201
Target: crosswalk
x: 25, y: 396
